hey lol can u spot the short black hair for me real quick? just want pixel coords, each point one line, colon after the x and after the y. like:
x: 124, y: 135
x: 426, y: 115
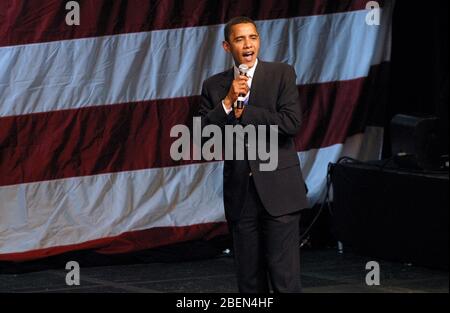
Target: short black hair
x: 234, y: 21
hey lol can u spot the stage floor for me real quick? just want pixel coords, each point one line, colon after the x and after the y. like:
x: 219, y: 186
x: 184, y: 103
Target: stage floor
x: 323, y: 271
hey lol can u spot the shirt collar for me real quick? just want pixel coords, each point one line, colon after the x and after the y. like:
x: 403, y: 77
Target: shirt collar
x: 250, y: 73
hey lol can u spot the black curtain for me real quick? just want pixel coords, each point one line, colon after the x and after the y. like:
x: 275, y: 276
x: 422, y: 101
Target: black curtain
x: 419, y: 64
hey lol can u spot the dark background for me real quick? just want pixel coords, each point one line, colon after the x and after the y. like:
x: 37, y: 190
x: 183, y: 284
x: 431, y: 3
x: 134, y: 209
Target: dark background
x: 419, y: 64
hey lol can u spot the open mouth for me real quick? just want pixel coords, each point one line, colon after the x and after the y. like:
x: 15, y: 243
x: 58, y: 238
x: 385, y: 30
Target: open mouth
x: 248, y: 56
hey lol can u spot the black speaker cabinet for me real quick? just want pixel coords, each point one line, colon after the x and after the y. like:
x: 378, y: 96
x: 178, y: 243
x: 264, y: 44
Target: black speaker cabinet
x: 414, y: 141
x: 393, y: 214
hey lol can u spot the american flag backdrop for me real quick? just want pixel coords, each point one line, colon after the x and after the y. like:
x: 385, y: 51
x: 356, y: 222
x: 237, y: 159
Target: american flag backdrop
x: 86, y: 112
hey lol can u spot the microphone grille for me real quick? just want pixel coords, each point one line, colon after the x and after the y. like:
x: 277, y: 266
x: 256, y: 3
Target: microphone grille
x: 243, y: 68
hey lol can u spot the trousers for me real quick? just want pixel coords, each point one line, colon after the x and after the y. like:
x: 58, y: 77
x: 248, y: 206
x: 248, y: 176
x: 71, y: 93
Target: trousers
x: 266, y: 248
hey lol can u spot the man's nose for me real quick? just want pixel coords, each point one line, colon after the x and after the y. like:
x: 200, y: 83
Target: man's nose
x: 247, y: 43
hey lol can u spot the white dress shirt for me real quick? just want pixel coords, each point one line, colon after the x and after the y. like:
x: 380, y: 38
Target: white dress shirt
x: 250, y: 74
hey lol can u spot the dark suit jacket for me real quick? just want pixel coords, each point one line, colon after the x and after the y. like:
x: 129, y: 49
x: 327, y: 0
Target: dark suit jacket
x: 273, y: 100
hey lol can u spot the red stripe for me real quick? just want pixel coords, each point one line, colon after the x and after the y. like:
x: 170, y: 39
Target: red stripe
x: 133, y: 136
x: 32, y: 21
x: 94, y: 140
x: 337, y: 110
x: 130, y: 241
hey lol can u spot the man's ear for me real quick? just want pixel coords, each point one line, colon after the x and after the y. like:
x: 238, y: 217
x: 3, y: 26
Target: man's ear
x: 226, y: 46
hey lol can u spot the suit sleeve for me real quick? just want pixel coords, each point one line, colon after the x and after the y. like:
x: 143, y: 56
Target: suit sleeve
x: 288, y: 114
x: 211, y: 113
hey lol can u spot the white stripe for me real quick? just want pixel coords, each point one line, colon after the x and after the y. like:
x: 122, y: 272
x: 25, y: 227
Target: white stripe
x: 75, y: 210
x: 173, y: 63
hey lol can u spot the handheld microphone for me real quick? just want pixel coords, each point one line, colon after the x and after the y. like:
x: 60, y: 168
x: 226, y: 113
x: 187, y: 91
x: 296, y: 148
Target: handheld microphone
x: 243, y: 69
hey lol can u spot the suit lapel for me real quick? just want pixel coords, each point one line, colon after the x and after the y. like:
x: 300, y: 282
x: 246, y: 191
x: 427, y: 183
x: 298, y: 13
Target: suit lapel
x: 227, y: 79
x: 257, y: 84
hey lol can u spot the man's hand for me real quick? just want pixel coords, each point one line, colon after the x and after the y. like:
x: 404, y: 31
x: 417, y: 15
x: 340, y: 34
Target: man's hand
x: 238, y: 87
x: 238, y: 112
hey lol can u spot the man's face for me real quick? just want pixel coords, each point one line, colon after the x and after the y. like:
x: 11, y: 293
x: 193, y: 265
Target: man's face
x: 243, y: 44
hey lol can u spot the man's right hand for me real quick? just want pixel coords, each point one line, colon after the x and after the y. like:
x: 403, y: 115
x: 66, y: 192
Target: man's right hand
x: 238, y: 87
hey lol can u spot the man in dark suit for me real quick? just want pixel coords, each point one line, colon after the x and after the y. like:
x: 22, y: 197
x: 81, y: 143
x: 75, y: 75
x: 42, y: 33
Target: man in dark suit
x: 261, y: 207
